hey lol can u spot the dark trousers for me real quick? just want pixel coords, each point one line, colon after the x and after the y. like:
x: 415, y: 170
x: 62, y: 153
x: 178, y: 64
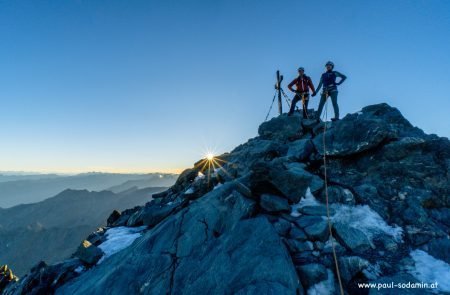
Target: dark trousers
x: 298, y: 98
x: 323, y: 98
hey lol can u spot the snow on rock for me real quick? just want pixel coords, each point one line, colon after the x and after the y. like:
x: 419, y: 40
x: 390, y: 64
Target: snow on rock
x: 79, y: 269
x: 325, y: 287
x: 428, y: 269
x: 366, y: 220
x: 307, y: 200
x: 199, y: 176
x: 217, y: 185
x: 361, y: 217
x: 189, y: 191
x: 118, y: 238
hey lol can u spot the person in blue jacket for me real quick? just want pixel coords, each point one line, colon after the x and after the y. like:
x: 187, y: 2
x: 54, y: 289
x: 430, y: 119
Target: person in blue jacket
x: 328, y: 81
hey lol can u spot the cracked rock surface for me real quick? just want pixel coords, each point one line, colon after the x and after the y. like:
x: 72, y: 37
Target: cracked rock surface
x: 258, y: 223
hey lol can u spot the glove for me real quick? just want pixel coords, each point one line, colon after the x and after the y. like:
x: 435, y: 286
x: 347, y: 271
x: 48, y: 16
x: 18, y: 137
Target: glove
x: 314, y: 94
x: 339, y: 83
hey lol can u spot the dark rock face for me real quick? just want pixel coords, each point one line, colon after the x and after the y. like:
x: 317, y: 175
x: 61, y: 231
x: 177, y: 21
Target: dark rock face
x: 352, y: 238
x: 273, y: 203
x: 115, y: 215
x: 253, y: 227
x: 317, y: 231
x: 212, y: 235
x: 311, y: 274
x: 6, y: 277
x: 316, y: 210
x: 45, y: 279
x: 88, y: 253
x: 280, y: 128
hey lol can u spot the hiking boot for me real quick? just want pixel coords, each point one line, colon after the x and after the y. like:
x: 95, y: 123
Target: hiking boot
x: 335, y: 119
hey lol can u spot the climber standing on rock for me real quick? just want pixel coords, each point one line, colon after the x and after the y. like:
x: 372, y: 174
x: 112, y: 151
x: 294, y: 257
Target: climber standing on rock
x: 302, y: 85
x: 328, y: 81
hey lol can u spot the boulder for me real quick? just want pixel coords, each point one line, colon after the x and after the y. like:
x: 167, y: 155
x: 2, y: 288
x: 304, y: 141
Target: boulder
x: 353, y: 239
x: 363, y: 131
x: 304, y: 221
x: 115, y: 215
x: 298, y: 149
x: 296, y: 246
x: 273, y: 203
x: 350, y: 266
x: 6, y: 277
x: 97, y: 237
x: 316, y: 210
x: 45, y: 279
x: 153, y: 214
x: 122, y: 220
x: 297, y: 234
x: 282, y: 226
x: 309, y: 124
x: 293, y: 181
x: 280, y: 128
x: 255, y: 150
x: 337, y: 194
x: 88, y: 253
x: 311, y: 274
x: 318, y: 231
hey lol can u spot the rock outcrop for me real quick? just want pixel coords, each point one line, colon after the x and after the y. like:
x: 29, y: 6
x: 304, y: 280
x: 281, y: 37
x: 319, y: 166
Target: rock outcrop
x: 6, y: 277
x: 254, y: 221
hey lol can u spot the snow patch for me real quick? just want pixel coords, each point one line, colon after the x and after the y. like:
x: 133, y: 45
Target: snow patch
x: 199, y: 176
x: 429, y: 270
x: 366, y: 220
x: 79, y: 269
x: 189, y: 191
x: 307, y: 200
x: 324, y: 287
x: 118, y: 238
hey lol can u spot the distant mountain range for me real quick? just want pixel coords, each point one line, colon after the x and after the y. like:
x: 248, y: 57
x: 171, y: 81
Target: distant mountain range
x: 51, y: 230
x: 22, y: 188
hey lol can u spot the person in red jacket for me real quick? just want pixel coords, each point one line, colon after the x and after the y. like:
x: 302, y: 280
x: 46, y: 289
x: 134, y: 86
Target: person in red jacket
x: 302, y: 85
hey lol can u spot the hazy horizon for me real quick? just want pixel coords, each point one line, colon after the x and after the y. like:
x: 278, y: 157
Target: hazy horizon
x: 44, y: 172
x: 147, y: 86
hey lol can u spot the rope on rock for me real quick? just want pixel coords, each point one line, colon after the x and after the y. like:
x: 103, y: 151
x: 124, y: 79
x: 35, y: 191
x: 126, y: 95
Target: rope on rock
x: 326, y: 196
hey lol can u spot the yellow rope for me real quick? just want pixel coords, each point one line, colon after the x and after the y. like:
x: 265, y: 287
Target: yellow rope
x: 326, y: 197
x: 304, y: 105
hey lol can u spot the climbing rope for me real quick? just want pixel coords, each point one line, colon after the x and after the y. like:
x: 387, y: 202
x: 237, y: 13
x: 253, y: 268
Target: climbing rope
x: 271, y: 105
x: 326, y: 196
x: 288, y: 100
x: 304, y: 106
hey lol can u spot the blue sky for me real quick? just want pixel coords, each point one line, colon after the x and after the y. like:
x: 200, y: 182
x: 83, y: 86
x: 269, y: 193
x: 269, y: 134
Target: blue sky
x: 150, y: 85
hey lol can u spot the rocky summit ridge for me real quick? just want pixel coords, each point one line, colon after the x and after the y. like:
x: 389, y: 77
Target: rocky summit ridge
x: 253, y: 221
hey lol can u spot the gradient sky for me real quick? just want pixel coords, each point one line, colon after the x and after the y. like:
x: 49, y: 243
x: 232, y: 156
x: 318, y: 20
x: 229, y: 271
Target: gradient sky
x: 150, y: 85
